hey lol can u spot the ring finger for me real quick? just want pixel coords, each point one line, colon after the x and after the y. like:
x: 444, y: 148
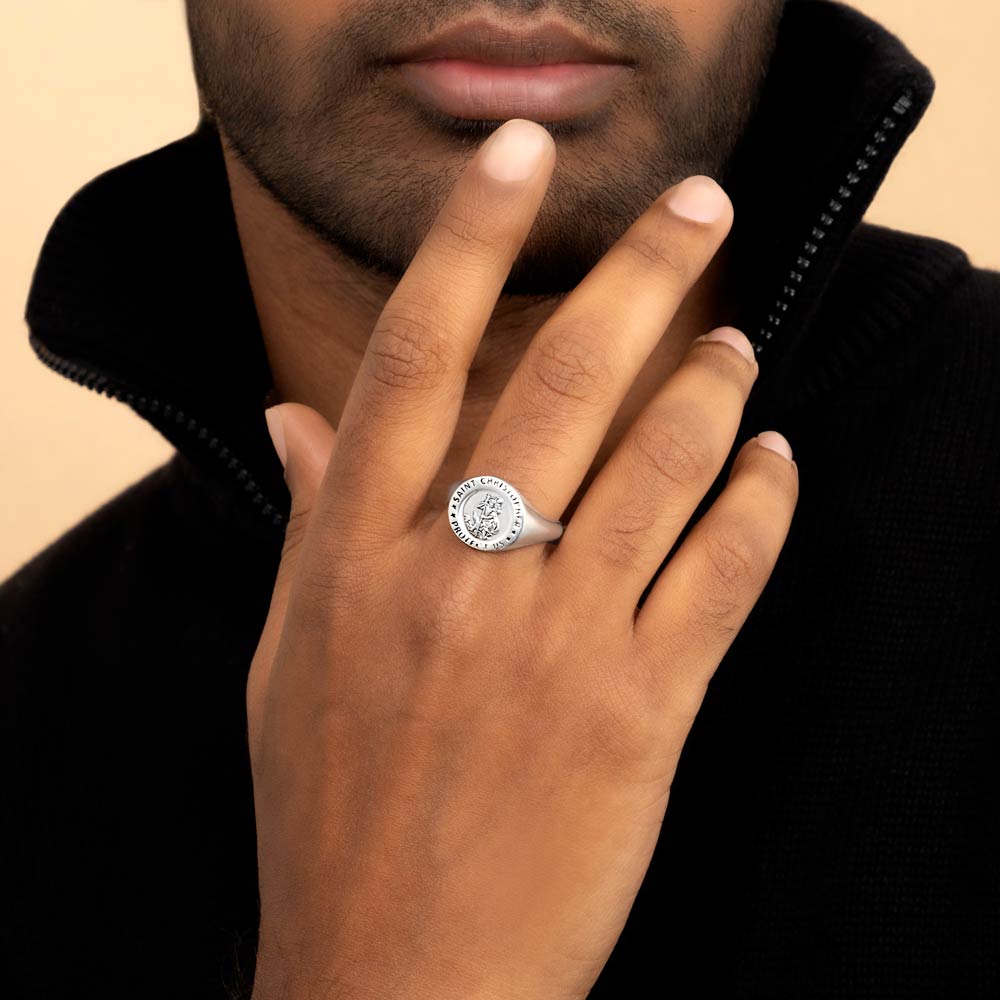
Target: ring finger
x: 649, y: 488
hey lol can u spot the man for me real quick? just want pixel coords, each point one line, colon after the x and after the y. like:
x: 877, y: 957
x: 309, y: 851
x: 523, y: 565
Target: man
x: 833, y: 821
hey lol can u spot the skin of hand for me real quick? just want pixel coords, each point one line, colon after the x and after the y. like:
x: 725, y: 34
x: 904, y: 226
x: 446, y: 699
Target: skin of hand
x: 461, y: 760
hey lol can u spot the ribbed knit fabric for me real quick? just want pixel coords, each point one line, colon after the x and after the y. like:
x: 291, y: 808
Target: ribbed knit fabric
x: 834, y: 826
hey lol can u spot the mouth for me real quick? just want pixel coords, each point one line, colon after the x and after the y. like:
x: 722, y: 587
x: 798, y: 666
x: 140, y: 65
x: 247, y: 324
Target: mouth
x: 483, y: 70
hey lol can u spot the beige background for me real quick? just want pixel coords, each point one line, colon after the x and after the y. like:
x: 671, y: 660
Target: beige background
x: 89, y: 85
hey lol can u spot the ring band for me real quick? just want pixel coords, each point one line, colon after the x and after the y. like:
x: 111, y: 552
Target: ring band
x: 489, y: 514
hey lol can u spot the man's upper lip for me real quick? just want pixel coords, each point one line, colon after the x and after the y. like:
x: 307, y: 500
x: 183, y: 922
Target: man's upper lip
x: 486, y: 41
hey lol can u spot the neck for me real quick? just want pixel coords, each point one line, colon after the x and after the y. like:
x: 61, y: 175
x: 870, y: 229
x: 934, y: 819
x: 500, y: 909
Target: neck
x: 317, y: 310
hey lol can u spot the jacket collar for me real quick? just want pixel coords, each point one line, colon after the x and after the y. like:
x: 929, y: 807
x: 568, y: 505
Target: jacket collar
x: 140, y: 290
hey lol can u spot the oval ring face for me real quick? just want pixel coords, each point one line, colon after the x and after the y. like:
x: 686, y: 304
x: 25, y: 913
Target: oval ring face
x: 486, y: 513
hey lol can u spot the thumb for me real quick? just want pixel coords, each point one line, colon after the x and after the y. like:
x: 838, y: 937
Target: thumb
x: 303, y: 441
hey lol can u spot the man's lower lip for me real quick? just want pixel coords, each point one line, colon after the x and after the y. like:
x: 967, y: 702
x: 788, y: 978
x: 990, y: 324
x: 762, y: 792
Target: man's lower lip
x: 466, y: 89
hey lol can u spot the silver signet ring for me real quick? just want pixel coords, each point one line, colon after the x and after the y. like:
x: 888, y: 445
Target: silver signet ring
x: 489, y: 514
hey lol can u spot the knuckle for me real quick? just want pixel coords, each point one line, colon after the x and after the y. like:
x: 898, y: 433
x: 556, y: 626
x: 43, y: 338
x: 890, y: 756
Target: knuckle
x: 655, y: 244
x: 357, y: 552
x: 571, y: 364
x: 620, y: 551
x: 408, y: 350
x: 551, y: 636
x: 718, y: 612
x: 667, y: 449
x: 448, y: 600
x: 624, y: 544
x: 536, y: 431
x: 329, y: 590
x: 736, y: 562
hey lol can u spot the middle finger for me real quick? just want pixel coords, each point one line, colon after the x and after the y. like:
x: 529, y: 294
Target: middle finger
x: 552, y: 416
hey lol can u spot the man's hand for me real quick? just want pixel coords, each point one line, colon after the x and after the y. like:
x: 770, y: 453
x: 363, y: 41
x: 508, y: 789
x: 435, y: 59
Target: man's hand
x: 461, y: 760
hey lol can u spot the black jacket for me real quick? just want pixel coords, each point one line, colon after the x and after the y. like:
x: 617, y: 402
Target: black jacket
x: 833, y: 830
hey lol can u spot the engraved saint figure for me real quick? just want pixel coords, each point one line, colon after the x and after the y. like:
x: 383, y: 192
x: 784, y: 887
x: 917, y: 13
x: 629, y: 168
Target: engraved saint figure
x: 485, y: 520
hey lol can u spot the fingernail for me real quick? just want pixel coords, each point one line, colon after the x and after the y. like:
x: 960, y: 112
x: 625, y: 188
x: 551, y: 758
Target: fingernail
x: 698, y: 198
x: 734, y: 338
x: 276, y: 429
x: 775, y: 442
x: 515, y: 150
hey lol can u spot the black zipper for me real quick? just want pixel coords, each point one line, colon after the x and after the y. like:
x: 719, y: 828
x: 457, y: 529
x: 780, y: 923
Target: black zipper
x: 900, y: 106
x: 148, y: 407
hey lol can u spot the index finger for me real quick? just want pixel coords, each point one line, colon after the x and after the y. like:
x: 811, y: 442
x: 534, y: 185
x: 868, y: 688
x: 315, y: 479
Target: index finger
x: 400, y: 415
